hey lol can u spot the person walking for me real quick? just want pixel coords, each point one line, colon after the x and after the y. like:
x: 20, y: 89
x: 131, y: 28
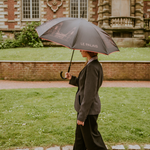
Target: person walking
x: 87, y: 104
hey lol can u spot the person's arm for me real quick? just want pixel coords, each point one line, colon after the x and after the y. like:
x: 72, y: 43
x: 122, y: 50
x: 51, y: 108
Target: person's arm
x: 90, y: 90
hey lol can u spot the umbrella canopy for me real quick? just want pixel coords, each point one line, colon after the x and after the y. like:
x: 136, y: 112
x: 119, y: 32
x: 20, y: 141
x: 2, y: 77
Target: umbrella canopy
x: 77, y: 33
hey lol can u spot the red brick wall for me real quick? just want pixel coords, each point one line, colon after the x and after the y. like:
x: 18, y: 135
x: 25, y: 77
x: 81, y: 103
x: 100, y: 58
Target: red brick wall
x: 50, y: 13
x: 146, y: 7
x: 95, y: 2
x: 10, y: 9
x: 51, y: 70
x: 59, y: 13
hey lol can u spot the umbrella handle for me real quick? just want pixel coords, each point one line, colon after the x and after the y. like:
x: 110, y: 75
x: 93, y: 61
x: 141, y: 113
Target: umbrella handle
x: 62, y: 72
x: 62, y: 76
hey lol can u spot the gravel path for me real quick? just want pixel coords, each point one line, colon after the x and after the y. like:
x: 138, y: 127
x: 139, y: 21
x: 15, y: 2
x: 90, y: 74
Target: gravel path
x: 6, y: 84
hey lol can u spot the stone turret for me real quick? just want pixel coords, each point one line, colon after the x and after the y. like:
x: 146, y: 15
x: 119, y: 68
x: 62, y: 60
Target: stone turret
x: 139, y: 14
x: 123, y: 20
x: 104, y: 13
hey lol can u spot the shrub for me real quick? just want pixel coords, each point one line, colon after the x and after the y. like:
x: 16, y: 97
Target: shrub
x: 9, y: 43
x: 1, y: 37
x: 27, y: 37
x: 148, y: 41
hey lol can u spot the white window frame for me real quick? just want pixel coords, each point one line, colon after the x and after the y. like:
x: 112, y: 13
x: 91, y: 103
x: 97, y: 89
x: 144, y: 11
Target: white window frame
x: 30, y: 19
x: 79, y: 9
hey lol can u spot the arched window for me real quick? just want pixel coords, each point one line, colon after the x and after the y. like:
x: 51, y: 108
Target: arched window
x: 78, y: 8
x: 30, y: 9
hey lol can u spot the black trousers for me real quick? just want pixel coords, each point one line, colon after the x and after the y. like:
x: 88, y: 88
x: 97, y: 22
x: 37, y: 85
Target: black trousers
x: 88, y: 137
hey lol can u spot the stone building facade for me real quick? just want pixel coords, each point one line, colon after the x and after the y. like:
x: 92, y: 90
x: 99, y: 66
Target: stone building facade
x: 121, y: 19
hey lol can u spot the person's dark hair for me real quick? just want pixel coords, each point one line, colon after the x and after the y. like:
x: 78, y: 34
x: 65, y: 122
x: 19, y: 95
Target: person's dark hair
x: 92, y: 54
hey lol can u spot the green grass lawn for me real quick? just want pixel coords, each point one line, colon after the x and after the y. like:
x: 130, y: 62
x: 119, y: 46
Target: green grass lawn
x: 64, y: 54
x: 46, y: 117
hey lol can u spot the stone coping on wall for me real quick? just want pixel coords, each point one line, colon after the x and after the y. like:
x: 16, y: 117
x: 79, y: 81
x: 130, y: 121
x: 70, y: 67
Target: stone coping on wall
x: 9, y: 61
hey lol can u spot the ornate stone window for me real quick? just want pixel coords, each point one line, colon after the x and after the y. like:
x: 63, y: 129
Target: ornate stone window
x: 30, y: 9
x: 78, y: 8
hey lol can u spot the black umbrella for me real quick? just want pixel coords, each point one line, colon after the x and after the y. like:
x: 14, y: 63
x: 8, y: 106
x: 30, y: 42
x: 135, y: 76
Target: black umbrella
x: 77, y: 33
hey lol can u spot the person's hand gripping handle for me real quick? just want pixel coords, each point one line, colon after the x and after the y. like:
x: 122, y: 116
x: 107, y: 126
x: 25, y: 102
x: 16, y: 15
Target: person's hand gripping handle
x: 68, y: 75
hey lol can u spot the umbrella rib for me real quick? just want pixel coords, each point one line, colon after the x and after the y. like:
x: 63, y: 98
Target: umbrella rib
x: 101, y: 38
x: 108, y: 37
x: 75, y: 38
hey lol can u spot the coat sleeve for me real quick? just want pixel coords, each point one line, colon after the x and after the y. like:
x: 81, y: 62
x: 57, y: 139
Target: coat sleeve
x: 90, y: 90
x: 74, y: 81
